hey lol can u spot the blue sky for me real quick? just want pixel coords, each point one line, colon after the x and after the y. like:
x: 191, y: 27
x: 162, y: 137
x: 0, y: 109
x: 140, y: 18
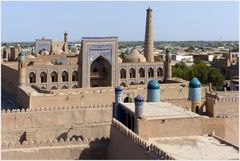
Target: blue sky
x: 173, y: 21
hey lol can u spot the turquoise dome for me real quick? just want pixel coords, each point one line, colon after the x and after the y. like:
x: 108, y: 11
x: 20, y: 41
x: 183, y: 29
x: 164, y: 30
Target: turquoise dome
x: 194, y: 83
x: 152, y: 84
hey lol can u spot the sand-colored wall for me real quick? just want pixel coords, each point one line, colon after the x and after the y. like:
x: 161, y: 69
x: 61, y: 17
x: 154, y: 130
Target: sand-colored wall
x: 23, y: 98
x: 9, y: 78
x: 209, y: 125
x: 155, y: 128
x: 51, y: 124
x: 226, y: 106
x: 60, y: 150
x: 125, y: 144
x: 232, y: 130
x: 122, y: 147
x: 82, y: 99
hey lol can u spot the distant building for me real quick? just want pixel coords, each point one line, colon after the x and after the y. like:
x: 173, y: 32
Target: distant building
x: 185, y: 58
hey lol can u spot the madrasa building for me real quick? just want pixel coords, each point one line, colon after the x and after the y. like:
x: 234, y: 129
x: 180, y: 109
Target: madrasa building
x: 97, y: 65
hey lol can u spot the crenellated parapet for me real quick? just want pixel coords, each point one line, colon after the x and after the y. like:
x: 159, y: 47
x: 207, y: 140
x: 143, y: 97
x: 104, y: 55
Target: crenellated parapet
x: 55, y: 142
x: 151, y: 148
x: 228, y: 99
x: 46, y: 109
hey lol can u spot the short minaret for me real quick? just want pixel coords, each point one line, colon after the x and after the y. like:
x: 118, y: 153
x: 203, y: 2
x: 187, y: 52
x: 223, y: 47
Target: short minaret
x: 194, y: 95
x: 148, y: 46
x: 118, y: 95
x: 139, y: 103
x: 65, y: 46
x: 153, y: 91
x: 21, y: 68
x: 168, y: 65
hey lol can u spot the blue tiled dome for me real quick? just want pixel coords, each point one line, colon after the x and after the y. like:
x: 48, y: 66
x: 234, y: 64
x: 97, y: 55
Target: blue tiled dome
x: 152, y: 84
x: 194, y: 83
x: 139, y: 99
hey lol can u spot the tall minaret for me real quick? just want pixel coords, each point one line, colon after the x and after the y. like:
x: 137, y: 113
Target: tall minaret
x: 148, y: 46
x: 21, y: 69
x: 65, y: 46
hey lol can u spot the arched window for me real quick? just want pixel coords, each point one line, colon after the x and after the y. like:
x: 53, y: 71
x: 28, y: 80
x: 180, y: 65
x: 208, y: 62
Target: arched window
x: 75, y: 86
x: 43, y: 77
x: 64, y: 87
x: 150, y: 72
x: 141, y: 82
x: 159, y: 72
x: 127, y: 100
x: 54, y: 76
x: 32, y: 77
x: 123, y: 84
x: 132, y: 73
x: 132, y: 83
x: 53, y: 88
x: 122, y: 73
x: 75, y: 76
x: 64, y: 76
x: 141, y: 73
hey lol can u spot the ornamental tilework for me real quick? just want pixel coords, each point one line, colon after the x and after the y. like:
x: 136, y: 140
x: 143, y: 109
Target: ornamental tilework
x: 195, y: 94
x: 153, y: 95
x: 94, y: 54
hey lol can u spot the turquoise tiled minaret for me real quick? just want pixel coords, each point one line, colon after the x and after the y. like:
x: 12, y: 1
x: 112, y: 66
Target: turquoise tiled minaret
x: 153, y: 91
x: 118, y: 93
x: 139, y: 101
x: 194, y: 94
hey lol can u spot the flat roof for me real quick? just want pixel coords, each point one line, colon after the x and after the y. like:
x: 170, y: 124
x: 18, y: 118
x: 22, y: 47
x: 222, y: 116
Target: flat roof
x: 196, y: 147
x: 160, y: 110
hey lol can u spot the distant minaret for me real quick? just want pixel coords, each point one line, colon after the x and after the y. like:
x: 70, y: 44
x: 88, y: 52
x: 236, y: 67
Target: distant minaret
x: 65, y: 46
x: 148, y: 46
x: 21, y: 68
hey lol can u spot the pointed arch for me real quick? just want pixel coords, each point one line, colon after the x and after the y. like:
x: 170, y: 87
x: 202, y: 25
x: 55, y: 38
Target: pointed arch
x: 141, y: 72
x: 123, y: 73
x: 159, y: 72
x: 54, y: 76
x: 32, y: 77
x: 64, y: 76
x: 43, y: 77
x: 101, y: 72
x: 75, y: 76
x: 132, y: 73
x: 150, y: 72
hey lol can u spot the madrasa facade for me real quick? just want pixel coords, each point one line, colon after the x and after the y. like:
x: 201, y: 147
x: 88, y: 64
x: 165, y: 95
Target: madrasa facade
x: 97, y: 65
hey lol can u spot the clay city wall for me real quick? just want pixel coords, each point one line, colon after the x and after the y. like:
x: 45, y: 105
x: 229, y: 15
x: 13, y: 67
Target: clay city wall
x: 226, y: 128
x: 220, y: 104
x: 226, y: 106
x: 125, y: 144
x: 9, y: 79
x: 76, y: 148
x: 61, y: 122
x: 154, y: 128
x: 232, y: 130
x: 86, y: 97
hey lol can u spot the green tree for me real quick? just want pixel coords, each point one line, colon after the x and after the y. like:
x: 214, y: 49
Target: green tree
x: 200, y: 70
x: 190, y: 49
x: 216, y: 78
x: 197, y: 60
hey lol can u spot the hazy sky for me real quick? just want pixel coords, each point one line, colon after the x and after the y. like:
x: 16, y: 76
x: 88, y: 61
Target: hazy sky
x: 180, y: 21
